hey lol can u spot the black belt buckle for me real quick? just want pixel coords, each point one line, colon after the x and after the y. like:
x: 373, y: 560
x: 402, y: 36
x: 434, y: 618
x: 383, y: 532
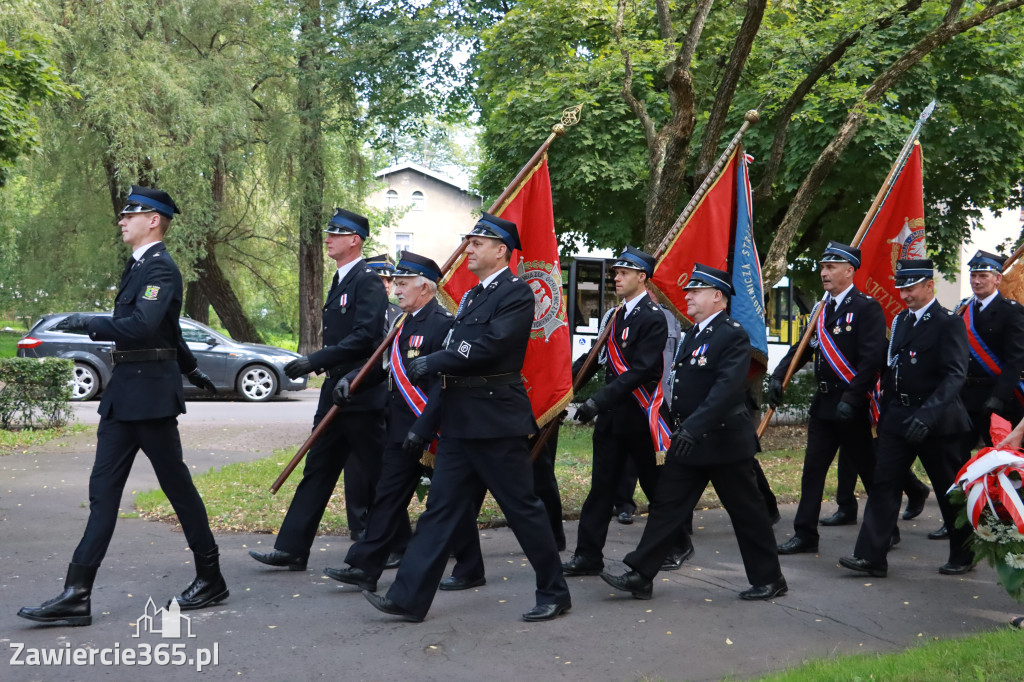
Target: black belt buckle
x: 823, y: 387
x: 906, y: 400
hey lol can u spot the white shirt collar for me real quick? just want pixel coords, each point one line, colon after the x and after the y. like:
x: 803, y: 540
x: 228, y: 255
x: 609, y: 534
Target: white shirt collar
x: 347, y: 268
x: 707, y: 321
x: 138, y: 253
x: 839, y: 299
x: 921, y: 311
x: 491, y: 277
x: 632, y: 304
x: 988, y: 299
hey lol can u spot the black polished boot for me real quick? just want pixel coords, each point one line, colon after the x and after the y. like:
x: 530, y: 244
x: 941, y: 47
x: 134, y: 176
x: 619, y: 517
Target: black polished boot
x: 209, y: 587
x: 72, y: 607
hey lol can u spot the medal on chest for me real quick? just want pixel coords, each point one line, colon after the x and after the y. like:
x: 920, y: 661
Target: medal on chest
x: 699, y: 356
x: 623, y: 339
x: 849, y: 322
x: 913, y: 357
x: 343, y: 303
x: 415, y: 343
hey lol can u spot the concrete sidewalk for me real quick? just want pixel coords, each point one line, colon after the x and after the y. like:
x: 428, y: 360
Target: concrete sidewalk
x: 280, y: 625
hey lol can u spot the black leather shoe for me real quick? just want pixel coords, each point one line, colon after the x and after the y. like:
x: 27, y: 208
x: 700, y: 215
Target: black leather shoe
x: 394, y: 560
x: 625, y: 518
x: 940, y: 534
x: 632, y: 582
x: 292, y: 562
x: 855, y: 563
x: 797, y: 545
x: 72, y: 606
x: 773, y: 589
x: 385, y: 605
x: 674, y: 561
x: 208, y: 588
x: 955, y: 569
x: 578, y: 565
x: 351, y: 575
x: 453, y: 584
x: 546, y: 612
x: 839, y: 518
x: 915, y: 505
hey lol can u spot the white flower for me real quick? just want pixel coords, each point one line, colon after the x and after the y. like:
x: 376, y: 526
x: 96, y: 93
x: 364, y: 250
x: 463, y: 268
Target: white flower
x: 987, y: 533
x: 1014, y: 560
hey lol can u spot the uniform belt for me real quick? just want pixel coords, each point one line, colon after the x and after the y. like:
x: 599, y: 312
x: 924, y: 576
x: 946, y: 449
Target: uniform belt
x: 342, y: 370
x: 828, y: 387
x: 908, y: 400
x: 506, y: 379
x: 981, y: 381
x: 148, y: 355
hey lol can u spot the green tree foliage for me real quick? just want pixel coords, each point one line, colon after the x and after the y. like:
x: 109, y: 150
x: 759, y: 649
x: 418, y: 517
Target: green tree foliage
x: 838, y: 84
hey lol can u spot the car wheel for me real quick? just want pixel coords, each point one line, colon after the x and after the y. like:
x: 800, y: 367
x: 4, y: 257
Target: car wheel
x: 85, y: 382
x: 256, y: 383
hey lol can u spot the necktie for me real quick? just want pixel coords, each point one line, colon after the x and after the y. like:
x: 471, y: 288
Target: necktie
x: 830, y: 307
x: 334, y: 285
x: 473, y: 293
x: 977, y: 306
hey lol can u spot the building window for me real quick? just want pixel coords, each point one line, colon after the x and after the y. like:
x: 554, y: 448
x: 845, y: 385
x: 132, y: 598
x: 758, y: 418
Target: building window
x: 392, y: 198
x: 403, y: 242
x: 419, y: 202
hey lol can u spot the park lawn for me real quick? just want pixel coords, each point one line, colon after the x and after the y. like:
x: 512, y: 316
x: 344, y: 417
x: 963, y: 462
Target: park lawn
x: 238, y: 499
x: 20, y: 440
x: 992, y: 656
x: 9, y: 343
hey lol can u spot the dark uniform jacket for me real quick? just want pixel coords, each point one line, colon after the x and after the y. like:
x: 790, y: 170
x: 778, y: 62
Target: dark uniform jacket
x: 145, y: 317
x: 709, y: 392
x: 858, y: 329
x: 432, y: 323
x: 1001, y: 327
x: 353, y: 327
x: 927, y: 368
x: 641, y: 337
x: 489, y: 337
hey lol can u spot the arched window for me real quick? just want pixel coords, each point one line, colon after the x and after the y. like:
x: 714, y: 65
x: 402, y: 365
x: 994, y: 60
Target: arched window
x: 419, y: 202
x: 392, y: 198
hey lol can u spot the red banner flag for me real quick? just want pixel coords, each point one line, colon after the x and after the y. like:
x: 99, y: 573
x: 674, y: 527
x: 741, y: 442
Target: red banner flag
x: 547, y: 370
x: 897, y: 231
x: 703, y: 238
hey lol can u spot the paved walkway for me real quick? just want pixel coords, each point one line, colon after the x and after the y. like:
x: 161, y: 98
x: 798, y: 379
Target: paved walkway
x: 280, y: 625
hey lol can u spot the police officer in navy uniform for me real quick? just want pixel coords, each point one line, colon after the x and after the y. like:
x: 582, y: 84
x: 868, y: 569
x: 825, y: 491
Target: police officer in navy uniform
x: 922, y: 416
x: 839, y: 418
x: 139, y: 411
x: 998, y: 324
x: 715, y: 441
x: 622, y: 431
x: 385, y: 267
x: 484, y: 417
x: 353, y: 327
x: 423, y: 332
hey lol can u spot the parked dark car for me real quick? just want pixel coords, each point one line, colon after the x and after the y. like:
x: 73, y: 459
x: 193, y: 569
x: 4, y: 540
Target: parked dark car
x: 254, y: 371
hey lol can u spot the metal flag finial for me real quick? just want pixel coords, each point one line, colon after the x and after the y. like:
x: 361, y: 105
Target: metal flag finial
x: 570, y: 117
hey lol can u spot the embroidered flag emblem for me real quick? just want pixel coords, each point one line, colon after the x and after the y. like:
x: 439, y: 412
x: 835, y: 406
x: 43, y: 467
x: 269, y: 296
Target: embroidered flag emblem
x: 151, y: 292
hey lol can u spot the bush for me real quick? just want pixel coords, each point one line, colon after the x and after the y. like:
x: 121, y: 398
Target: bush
x: 35, y: 393
x: 797, y: 399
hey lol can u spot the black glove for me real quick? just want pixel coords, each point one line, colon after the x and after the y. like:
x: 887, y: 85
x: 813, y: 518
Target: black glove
x: 775, y: 392
x: 76, y: 323
x: 586, y: 411
x: 342, y: 392
x: 916, y: 431
x: 198, y: 378
x: 298, y: 367
x: 414, y: 445
x: 995, y: 404
x: 417, y: 368
x: 683, y: 443
x: 844, y: 411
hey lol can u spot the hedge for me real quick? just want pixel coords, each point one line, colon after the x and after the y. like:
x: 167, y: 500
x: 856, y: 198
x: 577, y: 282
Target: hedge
x: 35, y: 393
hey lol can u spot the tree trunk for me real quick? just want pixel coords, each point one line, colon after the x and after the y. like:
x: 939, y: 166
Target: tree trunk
x: 222, y: 297
x: 197, y: 305
x: 310, y: 165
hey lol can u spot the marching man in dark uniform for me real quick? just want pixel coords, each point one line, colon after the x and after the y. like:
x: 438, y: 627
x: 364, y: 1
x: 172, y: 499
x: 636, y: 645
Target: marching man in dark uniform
x: 139, y: 410
x: 385, y: 267
x: 353, y: 327
x: 484, y: 417
x: 715, y: 440
x: 629, y: 424
x: 922, y: 416
x: 423, y: 332
x: 849, y: 351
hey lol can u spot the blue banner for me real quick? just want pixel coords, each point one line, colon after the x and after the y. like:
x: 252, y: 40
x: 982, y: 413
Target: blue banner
x: 748, y: 303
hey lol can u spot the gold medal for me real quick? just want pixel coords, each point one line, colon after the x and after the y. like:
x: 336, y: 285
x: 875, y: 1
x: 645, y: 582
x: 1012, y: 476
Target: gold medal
x: 413, y: 353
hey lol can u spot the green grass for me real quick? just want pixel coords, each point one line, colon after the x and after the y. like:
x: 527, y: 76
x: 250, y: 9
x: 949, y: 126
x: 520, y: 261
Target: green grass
x: 22, y: 440
x: 991, y: 656
x: 237, y: 496
x: 9, y: 343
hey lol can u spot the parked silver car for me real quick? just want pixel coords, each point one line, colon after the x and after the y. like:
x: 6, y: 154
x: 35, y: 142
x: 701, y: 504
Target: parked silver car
x: 254, y: 371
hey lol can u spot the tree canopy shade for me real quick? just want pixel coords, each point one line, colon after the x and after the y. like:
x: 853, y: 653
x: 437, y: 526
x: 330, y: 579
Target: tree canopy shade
x: 839, y: 85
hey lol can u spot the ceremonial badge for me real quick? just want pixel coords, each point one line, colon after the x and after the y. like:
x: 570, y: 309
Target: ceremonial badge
x: 837, y: 329
x: 343, y: 303
x: 415, y: 343
x: 700, y: 355
x: 151, y: 293
x: 913, y: 358
x: 702, y: 360
x: 849, y: 322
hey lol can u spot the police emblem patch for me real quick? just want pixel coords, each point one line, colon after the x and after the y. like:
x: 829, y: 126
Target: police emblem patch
x: 151, y: 292
x: 464, y: 349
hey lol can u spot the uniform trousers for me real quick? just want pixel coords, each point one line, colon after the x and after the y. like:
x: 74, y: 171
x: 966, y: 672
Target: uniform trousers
x: 387, y: 524
x: 679, y: 490
x: 846, y: 498
x: 939, y: 454
x: 853, y: 440
x: 117, y: 443
x: 611, y: 451
x: 465, y: 467
x: 360, y: 488
x: 350, y: 434
x: 546, y: 484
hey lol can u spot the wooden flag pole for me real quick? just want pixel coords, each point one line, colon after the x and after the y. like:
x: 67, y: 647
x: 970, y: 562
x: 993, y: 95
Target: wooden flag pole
x: 862, y: 231
x: 570, y: 117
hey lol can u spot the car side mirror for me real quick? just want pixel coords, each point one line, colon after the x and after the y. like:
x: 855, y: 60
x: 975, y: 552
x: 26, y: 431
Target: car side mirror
x: 210, y: 341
